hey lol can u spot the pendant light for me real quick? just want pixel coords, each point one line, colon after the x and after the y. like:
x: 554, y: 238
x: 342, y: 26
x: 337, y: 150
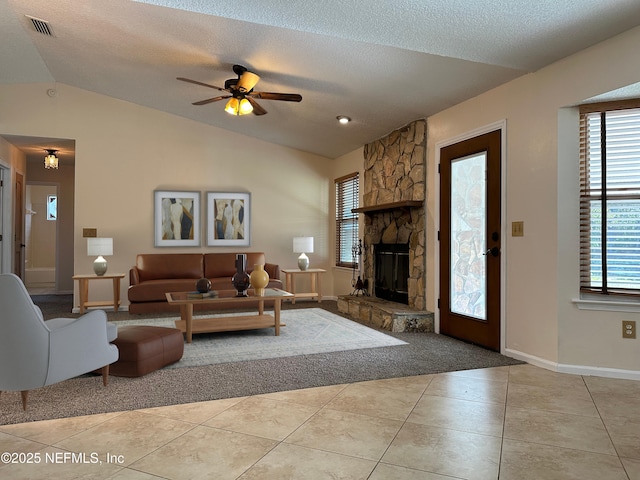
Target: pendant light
x: 50, y: 160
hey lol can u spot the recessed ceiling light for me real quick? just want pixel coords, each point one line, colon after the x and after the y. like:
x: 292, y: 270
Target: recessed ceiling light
x: 343, y: 119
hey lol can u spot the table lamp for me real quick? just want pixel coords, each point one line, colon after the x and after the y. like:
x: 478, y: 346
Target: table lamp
x: 303, y: 245
x: 99, y: 247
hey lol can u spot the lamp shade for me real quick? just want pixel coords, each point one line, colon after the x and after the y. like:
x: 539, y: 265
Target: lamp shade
x: 303, y: 244
x: 99, y: 246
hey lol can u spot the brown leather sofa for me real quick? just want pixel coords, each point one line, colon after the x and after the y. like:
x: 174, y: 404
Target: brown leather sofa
x: 154, y: 274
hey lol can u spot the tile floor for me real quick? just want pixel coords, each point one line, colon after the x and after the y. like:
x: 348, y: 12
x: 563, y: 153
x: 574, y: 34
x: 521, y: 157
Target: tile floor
x: 507, y: 423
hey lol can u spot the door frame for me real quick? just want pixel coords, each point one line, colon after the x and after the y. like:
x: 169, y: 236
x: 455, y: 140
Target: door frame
x: 502, y: 126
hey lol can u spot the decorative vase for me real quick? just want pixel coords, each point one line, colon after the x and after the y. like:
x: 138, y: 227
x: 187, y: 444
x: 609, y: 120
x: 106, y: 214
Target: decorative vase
x: 259, y: 279
x: 240, y: 279
x: 203, y: 285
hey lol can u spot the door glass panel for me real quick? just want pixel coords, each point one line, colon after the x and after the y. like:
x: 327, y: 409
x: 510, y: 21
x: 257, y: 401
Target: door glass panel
x: 468, y: 236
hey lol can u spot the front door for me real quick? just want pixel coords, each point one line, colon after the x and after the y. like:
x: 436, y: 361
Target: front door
x: 470, y: 240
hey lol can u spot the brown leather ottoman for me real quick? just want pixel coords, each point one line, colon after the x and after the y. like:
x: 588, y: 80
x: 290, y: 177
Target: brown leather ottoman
x: 145, y: 349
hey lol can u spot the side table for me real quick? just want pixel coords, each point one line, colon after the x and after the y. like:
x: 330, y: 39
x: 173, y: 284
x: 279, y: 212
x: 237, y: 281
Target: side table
x: 83, y: 287
x: 316, y: 284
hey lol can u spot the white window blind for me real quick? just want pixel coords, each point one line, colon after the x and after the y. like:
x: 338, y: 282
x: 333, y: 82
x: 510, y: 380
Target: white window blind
x: 610, y: 198
x: 347, y: 198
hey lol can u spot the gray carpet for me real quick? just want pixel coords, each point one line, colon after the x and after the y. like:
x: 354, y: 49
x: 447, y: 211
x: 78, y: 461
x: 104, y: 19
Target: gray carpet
x: 425, y: 353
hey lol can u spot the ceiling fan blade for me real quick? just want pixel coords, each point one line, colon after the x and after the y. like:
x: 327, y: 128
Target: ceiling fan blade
x: 211, y: 100
x: 257, y: 109
x: 286, y: 97
x: 200, y: 83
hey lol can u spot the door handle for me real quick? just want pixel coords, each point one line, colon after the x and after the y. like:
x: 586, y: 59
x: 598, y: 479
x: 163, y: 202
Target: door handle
x: 493, y: 251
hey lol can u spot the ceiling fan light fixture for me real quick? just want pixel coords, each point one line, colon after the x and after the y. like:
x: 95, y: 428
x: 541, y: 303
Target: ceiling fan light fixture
x: 343, y: 119
x: 50, y: 160
x: 237, y: 106
x: 247, y: 81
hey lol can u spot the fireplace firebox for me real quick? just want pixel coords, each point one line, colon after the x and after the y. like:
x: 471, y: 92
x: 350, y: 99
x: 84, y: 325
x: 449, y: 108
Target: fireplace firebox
x: 391, y: 270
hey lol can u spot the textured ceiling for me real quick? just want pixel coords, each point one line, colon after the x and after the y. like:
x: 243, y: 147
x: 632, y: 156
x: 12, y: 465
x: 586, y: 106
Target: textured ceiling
x: 382, y: 63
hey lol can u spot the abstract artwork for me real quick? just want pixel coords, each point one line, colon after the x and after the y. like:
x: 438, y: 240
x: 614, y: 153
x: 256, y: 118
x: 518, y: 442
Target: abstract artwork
x: 177, y: 218
x: 228, y: 219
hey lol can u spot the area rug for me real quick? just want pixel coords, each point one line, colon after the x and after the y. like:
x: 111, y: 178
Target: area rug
x: 309, y: 331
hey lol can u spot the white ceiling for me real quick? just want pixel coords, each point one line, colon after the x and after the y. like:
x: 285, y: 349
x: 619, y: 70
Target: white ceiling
x: 383, y: 63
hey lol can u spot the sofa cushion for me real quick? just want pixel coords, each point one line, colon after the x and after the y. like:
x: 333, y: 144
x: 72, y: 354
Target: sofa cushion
x: 154, y: 290
x: 155, y: 266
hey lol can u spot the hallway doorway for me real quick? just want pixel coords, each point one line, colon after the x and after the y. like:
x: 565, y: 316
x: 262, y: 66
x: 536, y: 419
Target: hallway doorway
x: 41, y: 225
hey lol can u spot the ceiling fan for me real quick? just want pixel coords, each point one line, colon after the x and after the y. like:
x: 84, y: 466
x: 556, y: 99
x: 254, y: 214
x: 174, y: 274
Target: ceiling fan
x: 241, y: 95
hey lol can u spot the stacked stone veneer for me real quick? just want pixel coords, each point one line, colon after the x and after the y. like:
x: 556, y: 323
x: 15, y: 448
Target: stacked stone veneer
x: 395, y: 171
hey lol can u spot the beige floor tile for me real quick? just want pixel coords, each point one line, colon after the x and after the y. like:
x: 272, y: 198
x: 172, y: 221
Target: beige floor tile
x: 376, y: 400
x: 497, y: 374
x: 54, y: 463
x: 466, y: 388
x: 445, y: 452
x: 317, y: 397
x: 132, y: 434
x: 613, y: 385
x: 292, y: 462
x: 530, y: 461
x: 411, y: 385
x: 530, y: 375
x: 575, y: 400
x: 52, y: 431
x: 625, y: 434
x: 346, y: 433
x: 128, y: 474
x: 388, y: 472
x: 10, y: 443
x: 205, y: 453
x: 463, y: 415
x: 632, y: 467
x: 263, y: 417
x: 197, y: 413
x: 559, y: 429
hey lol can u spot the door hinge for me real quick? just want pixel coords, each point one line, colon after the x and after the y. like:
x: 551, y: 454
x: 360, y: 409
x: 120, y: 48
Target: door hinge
x: 438, y: 168
x: 438, y: 303
x: 438, y: 235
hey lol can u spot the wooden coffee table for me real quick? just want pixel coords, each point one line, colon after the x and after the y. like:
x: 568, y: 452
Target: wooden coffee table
x: 188, y: 325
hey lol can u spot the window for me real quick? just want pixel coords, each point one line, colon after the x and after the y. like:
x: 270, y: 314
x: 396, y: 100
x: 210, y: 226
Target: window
x: 52, y: 207
x: 610, y: 198
x: 347, y: 198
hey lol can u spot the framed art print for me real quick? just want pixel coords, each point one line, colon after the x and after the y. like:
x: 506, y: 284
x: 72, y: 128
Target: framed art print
x: 176, y: 218
x: 228, y: 219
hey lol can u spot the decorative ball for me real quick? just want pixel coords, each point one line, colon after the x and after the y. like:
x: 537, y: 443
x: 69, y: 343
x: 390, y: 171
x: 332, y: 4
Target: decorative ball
x: 203, y: 285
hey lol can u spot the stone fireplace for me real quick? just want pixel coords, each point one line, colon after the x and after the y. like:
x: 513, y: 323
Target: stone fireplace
x: 393, y: 206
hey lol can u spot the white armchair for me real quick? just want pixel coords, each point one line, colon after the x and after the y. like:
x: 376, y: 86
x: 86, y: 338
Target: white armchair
x: 35, y: 353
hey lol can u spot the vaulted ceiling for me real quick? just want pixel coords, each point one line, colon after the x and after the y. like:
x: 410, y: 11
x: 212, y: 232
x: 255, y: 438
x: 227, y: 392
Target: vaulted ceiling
x: 382, y: 63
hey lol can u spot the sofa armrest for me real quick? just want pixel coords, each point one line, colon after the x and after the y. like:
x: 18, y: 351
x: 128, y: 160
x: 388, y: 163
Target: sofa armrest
x: 134, y: 276
x: 273, y: 270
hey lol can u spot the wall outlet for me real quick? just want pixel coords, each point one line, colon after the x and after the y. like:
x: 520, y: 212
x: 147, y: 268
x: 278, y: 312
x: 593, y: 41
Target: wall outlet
x: 517, y: 229
x: 628, y: 329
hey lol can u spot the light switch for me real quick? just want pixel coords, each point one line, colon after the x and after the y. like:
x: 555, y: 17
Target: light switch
x: 517, y: 229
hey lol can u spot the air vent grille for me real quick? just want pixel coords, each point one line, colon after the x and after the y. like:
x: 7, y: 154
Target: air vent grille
x: 41, y: 26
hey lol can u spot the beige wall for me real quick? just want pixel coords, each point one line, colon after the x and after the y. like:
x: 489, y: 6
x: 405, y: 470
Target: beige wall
x: 124, y: 152
x: 542, y: 323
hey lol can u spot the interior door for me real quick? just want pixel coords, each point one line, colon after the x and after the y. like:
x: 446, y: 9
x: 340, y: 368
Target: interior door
x: 18, y: 227
x: 470, y: 240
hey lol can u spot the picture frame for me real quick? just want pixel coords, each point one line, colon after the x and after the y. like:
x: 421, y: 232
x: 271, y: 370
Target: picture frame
x: 177, y: 218
x: 228, y: 219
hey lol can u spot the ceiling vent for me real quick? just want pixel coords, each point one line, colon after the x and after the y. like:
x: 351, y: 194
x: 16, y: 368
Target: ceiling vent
x: 41, y: 26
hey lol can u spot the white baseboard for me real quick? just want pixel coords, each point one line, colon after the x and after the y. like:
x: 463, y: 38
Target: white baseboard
x: 586, y: 370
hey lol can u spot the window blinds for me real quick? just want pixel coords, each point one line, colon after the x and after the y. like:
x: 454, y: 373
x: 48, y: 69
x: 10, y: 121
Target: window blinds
x: 347, y: 198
